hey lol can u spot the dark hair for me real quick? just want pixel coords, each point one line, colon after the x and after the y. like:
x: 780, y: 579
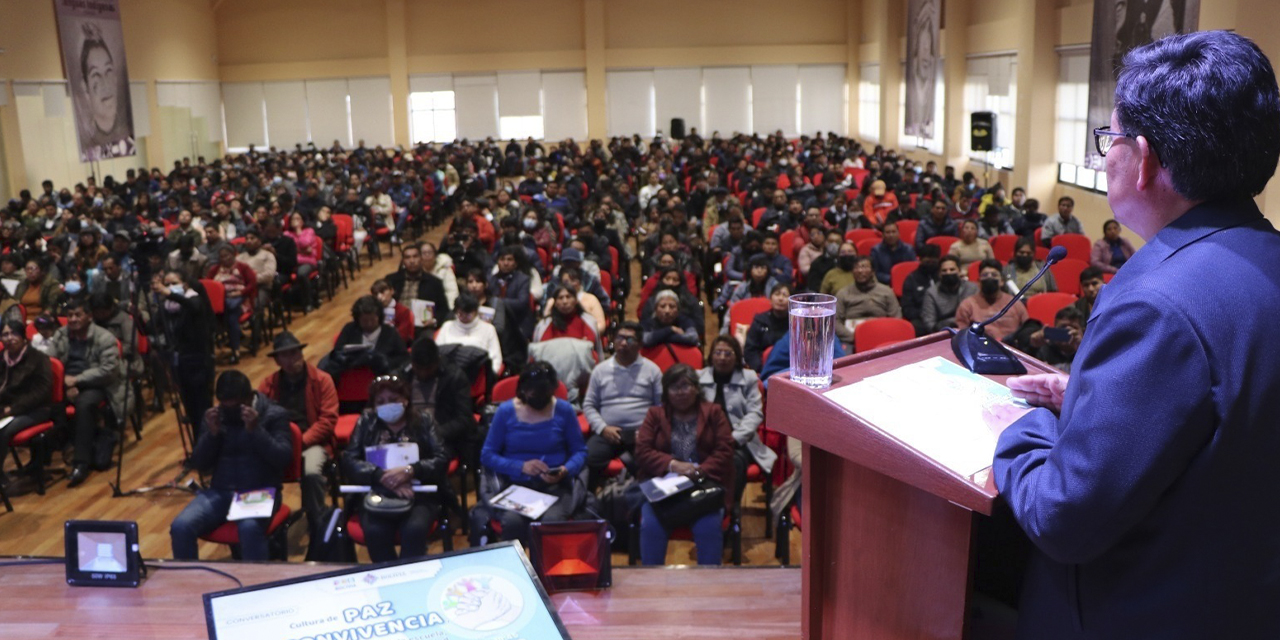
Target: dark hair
x: 233, y: 385
x: 365, y: 305
x: 561, y: 320
x: 1090, y: 273
x: 475, y: 272
x: 1209, y: 105
x: 929, y: 251
x: 380, y: 285
x: 465, y: 303
x: 1024, y: 242
x: 633, y: 326
x: 92, y: 40
x: 1109, y: 223
x: 1067, y: 199
x: 74, y: 304
x: 990, y: 263
x: 101, y: 300
x: 425, y: 352
x: 15, y: 326
x: 733, y: 343
x: 537, y: 378
x: 394, y: 384
x: 861, y: 259
x: 779, y: 286
x: 1069, y: 313
x: 674, y: 375
x: 950, y: 257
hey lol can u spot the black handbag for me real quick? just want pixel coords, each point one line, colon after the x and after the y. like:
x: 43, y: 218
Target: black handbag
x: 684, y: 509
x: 381, y: 505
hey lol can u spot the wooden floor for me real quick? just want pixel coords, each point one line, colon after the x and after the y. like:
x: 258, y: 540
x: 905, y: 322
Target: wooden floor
x: 651, y: 603
x: 35, y: 526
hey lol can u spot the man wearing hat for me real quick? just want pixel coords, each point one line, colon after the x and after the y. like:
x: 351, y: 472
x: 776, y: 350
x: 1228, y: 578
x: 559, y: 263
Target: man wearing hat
x: 310, y: 398
x: 878, y: 204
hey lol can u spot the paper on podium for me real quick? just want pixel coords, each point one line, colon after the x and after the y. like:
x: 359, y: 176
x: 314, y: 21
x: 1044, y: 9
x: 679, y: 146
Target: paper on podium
x: 938, y: 408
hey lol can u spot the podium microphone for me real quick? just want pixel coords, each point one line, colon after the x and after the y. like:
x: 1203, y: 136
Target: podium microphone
x: 981, y: 354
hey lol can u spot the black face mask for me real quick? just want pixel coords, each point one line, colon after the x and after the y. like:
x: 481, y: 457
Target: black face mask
x: 1023, y: 262
x: 846, y: 262
x: 951, y: 281
x: 990, y: 286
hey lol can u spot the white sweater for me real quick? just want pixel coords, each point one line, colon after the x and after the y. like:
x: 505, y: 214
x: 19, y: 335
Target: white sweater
x: 444, y: 271
x: 481, y: 334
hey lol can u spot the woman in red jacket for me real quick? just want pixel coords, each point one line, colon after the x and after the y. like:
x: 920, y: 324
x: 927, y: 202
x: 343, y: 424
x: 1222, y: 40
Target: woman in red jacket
x: 690, y: 437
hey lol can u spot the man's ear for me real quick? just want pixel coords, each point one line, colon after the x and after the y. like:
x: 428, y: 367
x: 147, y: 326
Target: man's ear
x: 1148, y: 164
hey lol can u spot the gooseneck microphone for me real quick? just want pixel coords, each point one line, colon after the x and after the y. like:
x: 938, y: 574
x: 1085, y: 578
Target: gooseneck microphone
x: 981, y: 354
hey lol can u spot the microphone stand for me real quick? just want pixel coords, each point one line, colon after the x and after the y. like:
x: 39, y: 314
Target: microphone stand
x: 979, y: 353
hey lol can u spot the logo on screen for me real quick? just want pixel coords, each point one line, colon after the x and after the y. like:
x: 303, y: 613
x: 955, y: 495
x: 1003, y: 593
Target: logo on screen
x: 482, y: 602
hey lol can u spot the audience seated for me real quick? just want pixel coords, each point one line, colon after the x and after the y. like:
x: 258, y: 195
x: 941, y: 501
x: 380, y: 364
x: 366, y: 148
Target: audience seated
x: 1054, y: 349
x: 413, y: 281
x: 26, y: 385
x: 620, y: 392
x: 496, y: 312
x: 567, y: 319
x: 440, y: 388
x: 240, y: 286
x: 937, y: 223
x: 865, y: 298
x: 890, y: 251
x: 767, y: 327
x: 690, y: 436
x: 1111, y: 251
x: 366, y: 342
x: 389, y: 421
x: 841, y: 275
x: 439, y: 265
x: 466, y: 327
x: 736, y: 389
x: 534, y: 442
x: 94, y: 377
x: 943, y: 299
x: 667, y: 325
x: 246, y: 444
x: 1090, y: 284
x: 970, y: 248
x: 758, y: 284
x: 394, y: 314
x: 989, y: 300
x: 1064, y: 222
x: 310, y: 399
x: 1024, y: 267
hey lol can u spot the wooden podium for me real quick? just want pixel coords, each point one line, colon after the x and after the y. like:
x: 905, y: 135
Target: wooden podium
x: 887, y: 530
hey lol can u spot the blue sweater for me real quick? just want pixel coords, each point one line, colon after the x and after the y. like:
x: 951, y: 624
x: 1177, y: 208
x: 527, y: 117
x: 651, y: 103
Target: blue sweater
x: 510, y: 442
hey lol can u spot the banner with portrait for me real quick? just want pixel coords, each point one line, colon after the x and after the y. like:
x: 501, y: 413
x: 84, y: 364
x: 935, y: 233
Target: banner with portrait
x: 93, y: 57
x: 924, y: 19
x: 1119, y: 26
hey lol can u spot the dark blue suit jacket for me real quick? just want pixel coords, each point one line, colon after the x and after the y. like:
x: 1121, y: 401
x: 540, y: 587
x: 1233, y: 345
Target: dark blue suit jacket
x: 1154, y: 499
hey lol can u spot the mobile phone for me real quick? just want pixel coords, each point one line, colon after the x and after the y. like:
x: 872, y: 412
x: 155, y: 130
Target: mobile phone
x: 555, y: 470
x: 1054, y: 334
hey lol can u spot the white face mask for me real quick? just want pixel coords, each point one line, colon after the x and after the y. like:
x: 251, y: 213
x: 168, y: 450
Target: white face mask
x: 176, y: 288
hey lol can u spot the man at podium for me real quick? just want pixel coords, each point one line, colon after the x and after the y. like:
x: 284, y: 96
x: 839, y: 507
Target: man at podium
x: 1150, y: 486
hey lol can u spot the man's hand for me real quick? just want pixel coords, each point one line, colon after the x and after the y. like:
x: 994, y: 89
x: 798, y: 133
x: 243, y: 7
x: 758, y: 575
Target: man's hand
x: 249, y: 416
x: 553, y: 477
x: 69, y: 381
x: 72, y: 393
x: 211, y: 419
x: 612, y: 434
x: 1042, y: 390
x: 534, y: 468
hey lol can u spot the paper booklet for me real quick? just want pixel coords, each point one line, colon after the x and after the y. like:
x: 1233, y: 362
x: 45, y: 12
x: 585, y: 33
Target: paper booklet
x: 658, y: 489
x: 392, y: 455
x: 10, y: 285
x: 424, y: 312
x: 524, y: 501
x: 487, y: 313
x: 256, y: 503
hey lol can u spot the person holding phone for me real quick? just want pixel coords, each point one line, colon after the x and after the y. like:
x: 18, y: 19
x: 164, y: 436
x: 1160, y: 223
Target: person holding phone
x: 1062, y: 339
x: 245, y: 442
x: 534, y: 441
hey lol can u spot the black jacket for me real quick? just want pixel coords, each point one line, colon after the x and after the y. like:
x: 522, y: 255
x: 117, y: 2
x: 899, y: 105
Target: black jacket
x: 434, y: 455
x: 455, y: 411
x: 430, y: 288
x: 286, y: 256
x: 27, y: 385
x: 765, y: 331
x: 388, y: 355
x: 243, y: 459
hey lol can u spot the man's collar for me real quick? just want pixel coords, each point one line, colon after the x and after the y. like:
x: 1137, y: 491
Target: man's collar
x: 1198, y: 222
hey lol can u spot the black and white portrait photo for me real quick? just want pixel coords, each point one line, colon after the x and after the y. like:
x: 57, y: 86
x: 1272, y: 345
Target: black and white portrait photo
x: 923, y: 18
x: 93, y: 55
x: 1118, y: 27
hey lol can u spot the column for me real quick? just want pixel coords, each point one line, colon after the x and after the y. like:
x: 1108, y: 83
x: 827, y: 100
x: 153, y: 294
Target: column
x: 593, y: 26
x: 398, y: 68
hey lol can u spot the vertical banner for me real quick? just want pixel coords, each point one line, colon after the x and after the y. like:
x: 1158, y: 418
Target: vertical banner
x: 923, y: 25
x: 1118, y: 26
x: 93, y: 57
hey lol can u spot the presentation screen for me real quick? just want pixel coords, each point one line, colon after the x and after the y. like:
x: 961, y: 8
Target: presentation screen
x: 489, y: 592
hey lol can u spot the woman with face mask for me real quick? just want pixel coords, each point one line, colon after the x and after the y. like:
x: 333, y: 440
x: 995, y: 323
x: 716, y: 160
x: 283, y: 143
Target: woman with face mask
x: 532, y: 226
x: 185, y: 324
x: 387, y: 425
x: 534, y: 441
x: 1024, y: 267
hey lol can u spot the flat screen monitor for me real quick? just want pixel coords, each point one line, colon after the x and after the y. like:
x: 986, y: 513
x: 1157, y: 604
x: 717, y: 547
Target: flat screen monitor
x: 486, y: 592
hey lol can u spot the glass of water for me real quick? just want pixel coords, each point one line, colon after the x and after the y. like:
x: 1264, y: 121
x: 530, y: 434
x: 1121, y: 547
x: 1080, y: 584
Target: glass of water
x: 813, y: 334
